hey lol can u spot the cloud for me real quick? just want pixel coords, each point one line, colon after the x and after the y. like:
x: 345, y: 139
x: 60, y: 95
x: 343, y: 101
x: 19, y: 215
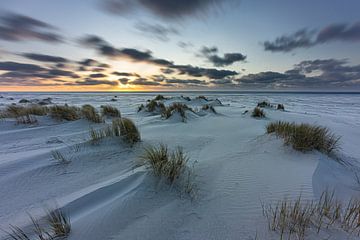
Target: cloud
x: 125, y: 74
x: 124, y: 80
x: 185, y: 45
x: 16, y: 27
x: 187, y: 81
x: 44, y: 58
x: 62, y: 73
x: 22, y: 67
x: 157, y: 31
x: 22, y: 73
x: 88, y: 62
x: 144, y: 82
x: 211, y: 73
x: 305, y: 38
x: 300, y: 39
x: 340, y: 32
x: 97, y: 75
x: 174, y: 9
x: 320, y: 73
x: 91, y: 82
x: 135, y: 55
x: 228, y: 59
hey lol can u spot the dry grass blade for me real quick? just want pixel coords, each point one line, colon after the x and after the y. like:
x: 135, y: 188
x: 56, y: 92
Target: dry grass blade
x: 59, y: 222
x: 64, y: 112
x: 110, y: 111
x: 129, y: 131
x: 305, y: 137
x: 59, y: 157
x: 165, y: 163
x: 258, y: 113
x: 90, y: 113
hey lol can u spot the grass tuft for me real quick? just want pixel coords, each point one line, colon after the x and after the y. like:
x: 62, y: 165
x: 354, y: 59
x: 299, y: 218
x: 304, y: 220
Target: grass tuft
x: 298, y: 217
x: 128, y: 130
x: 59, y: 157
x: 280, y: 107
x: 258, y: 113
x: 65, y: 112
x: 176, y: 107
x: 110, y: 111
x: 208, y: 107
x: 165, y: 163
x: 90, y: 113
x: 263, y: 104
x: 59, y: 222
x: 123, y: 127
x: 305, y: 137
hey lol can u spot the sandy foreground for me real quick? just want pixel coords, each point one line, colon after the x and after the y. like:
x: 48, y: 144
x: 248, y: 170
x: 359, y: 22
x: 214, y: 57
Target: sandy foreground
x: 237, y: 166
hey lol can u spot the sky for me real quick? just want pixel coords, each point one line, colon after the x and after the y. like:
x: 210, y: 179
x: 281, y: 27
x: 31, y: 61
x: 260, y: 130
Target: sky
x: 151, y: 45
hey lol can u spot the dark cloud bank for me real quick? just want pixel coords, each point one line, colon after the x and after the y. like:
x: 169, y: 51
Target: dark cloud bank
x: 174, y: 9
x: 16, y: 27
x: 308, y: 38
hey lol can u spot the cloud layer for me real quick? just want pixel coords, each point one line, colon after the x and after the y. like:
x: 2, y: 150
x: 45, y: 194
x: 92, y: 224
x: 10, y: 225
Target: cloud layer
x: 16, y: 27
x: 305, y: 38
x: 174, y: 9
x: 211, y: 54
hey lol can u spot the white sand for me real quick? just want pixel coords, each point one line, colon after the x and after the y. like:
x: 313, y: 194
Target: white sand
x: 237, y: 166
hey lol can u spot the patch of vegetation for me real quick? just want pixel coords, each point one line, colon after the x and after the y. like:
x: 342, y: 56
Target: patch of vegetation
x: 110, y: 111
x: 159, y: 98
x: 296, y: 218
x: 141, y: 107
x: 58, y: 227
x: 165, y: 163
x: 59, y: 157
x: 280, y: 107
x: 154, y: 105
x: 128, y: 130
x: 64, y: 112
x: 258, y: 113
x: 123, y: 127
x: 176, y: 107
x: 263, y: 104
x: 90, y: 113
x: 207, y: 107
x: 24, y: 100
x: 305, y: 137
x: 59, y: 223
x: 186, y: 98
x: 202, y: 97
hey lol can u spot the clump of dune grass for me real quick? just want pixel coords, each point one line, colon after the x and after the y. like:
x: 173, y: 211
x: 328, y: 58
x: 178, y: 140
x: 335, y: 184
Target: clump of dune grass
x: 26, y: 119
x: 160, y: 98
x: 202, y: 97
x: 90, y: 113
x: 59, y: 222
x: 14, y: 111
x: 65, y: 112
x: 120, y: 127
x: 58, y: 226
x: 165, y: 163
x: 110, y: 111
x: 141, y: 107
x: 280, y: 107
x: 128, y: 130
x: 59, y: 157
x: 263, y: 104
x: 258, y: 113
x: 176, y: 107
x: 154, y: 105
x: 208, y: 107
x: 296, y: 218
x: 290, y: 218
x: 305, y: 137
